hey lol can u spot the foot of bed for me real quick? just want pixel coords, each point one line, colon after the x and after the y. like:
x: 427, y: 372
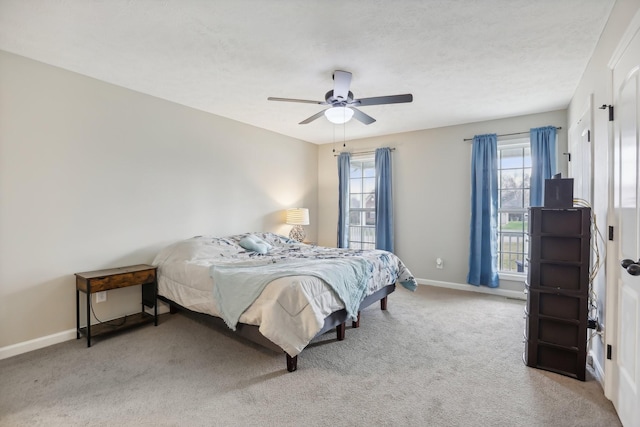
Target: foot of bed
x: 340, y: 329
x: 173, y: 309
x: 383, y: 303
x: 292, y: 363
x: 356, y: 323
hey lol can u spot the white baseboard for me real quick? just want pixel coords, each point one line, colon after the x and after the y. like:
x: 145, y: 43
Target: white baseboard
x: 35, y: 344
x: 470, y: 288
x: 38, y: 343
x: 597, y: 369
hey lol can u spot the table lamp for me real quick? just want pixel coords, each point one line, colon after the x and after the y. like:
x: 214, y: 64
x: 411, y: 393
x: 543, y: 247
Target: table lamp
x: 297, y: 217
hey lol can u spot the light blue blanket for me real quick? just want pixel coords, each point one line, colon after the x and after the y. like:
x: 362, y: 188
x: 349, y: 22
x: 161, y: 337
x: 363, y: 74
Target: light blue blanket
x: 236, y: 287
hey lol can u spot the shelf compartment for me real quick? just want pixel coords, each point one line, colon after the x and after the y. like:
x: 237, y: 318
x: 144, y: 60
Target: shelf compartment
x: 559, y: 221
x: 569, y: 276
x: 560, y: 306
x: 561, y: 276
x: 557, y: 248
x: 561, y: 360
x: 560, y: 333
x: 119, y: 324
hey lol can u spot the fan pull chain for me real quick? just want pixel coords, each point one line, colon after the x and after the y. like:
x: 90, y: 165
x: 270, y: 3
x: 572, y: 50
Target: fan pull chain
x: 344, y: 135
x: 334, y: 138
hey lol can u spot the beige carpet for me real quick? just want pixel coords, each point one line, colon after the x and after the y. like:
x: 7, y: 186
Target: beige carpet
x: 437, y: 357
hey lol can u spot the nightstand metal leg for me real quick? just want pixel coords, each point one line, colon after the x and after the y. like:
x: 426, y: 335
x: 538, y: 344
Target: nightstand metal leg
x: 155, y: 304
x: 89, y: 316
x: 77, y: 314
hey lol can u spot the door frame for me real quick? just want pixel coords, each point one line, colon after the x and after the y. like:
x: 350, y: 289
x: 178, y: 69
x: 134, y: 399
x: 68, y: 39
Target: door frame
x: 575, y: 135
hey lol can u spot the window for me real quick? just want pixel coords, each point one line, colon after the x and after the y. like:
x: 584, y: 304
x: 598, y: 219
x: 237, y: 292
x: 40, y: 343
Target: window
x: 362, y: 204
x: 514, y: 174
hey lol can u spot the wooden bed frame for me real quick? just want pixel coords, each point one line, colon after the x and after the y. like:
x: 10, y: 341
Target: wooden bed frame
x: 336, y: 320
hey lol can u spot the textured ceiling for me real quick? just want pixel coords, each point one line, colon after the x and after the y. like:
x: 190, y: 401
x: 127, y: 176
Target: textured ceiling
x: 463, y: 61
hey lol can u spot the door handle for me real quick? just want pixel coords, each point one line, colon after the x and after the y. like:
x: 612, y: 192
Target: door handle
x: 632, y: 267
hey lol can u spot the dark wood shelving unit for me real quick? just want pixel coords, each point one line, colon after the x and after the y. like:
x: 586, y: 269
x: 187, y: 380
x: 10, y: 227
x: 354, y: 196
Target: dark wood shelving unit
x: 558, y: 290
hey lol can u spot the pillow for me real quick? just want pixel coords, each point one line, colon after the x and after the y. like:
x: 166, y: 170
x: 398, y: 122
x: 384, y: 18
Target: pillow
x: 259, y: 240
x: 252, y: 243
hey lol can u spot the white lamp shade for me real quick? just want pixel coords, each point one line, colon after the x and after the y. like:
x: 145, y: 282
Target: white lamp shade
x: 298, y: 216
x: 338, y: 115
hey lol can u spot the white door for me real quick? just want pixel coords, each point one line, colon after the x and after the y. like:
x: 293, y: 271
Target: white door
x: 626, y: 198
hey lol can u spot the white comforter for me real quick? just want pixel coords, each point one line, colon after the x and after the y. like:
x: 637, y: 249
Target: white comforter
x: 291, y: 310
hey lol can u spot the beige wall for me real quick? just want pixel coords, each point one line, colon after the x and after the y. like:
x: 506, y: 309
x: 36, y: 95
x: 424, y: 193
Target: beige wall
x: 431, y: 184
x: 94, y: 175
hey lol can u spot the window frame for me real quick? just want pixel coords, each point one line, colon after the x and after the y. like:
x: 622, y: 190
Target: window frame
x: 505, y: 144
x: 363, y: 212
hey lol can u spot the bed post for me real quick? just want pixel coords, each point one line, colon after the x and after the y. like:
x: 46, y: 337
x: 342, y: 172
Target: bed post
x: 356, y: 323
x: 292, y: 363
x: 383, y: 303
x: 340, y: 329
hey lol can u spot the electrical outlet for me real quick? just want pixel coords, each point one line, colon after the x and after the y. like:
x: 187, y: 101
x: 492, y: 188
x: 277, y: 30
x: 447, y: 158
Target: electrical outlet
x: 101, y: 296
x: 439, y: 263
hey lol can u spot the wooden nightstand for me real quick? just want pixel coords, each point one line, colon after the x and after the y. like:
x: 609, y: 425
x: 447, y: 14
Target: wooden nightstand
x: 103, y: 280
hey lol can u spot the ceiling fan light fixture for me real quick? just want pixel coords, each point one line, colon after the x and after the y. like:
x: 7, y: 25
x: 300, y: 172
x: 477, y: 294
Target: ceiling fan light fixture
x: 338, y: 115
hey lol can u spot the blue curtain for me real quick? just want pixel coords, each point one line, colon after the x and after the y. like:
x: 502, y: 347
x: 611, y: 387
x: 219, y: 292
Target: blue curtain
x: 543, y: 161
x: 344, y: 169
x: 384, y: 200
x: 483, y: 251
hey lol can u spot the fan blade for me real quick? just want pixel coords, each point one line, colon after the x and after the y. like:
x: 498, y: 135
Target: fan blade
x: 362, y: 117
x: 312, y: 118
x: 306, y: 101
x: 341, y: 84
x: 379, y: 100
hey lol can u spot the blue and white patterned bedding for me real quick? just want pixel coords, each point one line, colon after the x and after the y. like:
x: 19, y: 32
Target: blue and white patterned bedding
x: 290, y: 310
x: 386, y: 267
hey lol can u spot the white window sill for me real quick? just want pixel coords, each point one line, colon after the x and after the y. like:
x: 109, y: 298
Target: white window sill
x: 513, y: 277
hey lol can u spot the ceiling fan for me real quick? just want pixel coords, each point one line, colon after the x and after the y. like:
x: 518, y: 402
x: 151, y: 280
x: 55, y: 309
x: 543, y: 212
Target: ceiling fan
x: 342, y: 103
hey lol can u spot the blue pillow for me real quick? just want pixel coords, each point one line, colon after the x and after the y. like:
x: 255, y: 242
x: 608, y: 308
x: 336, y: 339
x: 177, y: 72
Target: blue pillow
x: 252, y: 243
x: 260, y: 241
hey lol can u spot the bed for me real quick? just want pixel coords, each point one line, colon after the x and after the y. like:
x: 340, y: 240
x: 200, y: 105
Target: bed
x: 275, y: 291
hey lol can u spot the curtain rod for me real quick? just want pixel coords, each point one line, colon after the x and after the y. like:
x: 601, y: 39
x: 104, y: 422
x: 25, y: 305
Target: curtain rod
x: 509, y: 134
x: 360, y: 152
